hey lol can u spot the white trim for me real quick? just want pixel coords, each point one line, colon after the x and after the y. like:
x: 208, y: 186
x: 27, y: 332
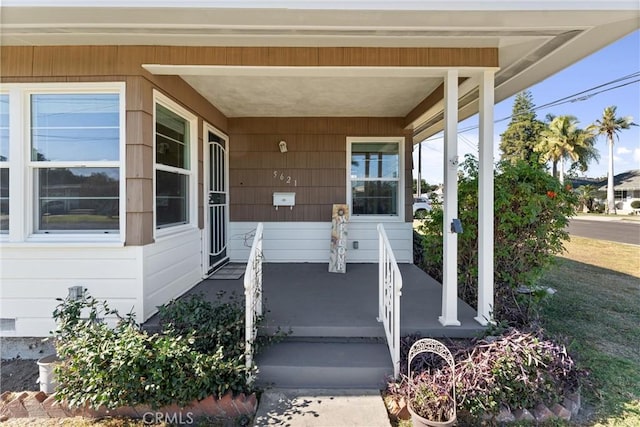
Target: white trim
x: 206, y: 238
x: 191, y: 173
x: 485, y: 201
x: 435, y: 5
x: 16, y: 169
x: 309, y: 71
x: 450, y: 240
x: 22, y: 192
x: 399, y: 217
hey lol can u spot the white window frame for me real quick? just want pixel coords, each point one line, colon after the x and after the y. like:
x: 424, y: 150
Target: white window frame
x: 399, y: 217
x: 192, y: 174
x: 620, y: 195
x: 7, y: 164
x: 22, y: 213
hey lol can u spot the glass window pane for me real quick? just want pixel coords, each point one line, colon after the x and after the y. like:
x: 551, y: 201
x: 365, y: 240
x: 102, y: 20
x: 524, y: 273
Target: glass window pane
x: 374, y: 160
x: 70, y: 127
x: 4, y: 128
x: 78, y: 199
x: 90, y: 144
x: 170, y: 152
x: 4, y: 200
x: 171, y: 198
x: 172, y: 138
x: 374, y: 197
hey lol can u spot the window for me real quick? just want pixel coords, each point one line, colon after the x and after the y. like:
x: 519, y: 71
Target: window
x: 375, y: 169
x: 4, y: 164
x: 173, y: 151
x: 620, y: 195
x: 75, y: 159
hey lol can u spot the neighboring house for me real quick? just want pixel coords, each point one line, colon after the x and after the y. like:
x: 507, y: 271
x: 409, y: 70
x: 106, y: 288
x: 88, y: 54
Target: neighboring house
x: 141, y: 144
x: 626, y: 188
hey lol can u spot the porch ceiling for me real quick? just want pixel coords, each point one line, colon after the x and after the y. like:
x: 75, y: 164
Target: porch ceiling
x: 260, y: 96
x: 318, y: 92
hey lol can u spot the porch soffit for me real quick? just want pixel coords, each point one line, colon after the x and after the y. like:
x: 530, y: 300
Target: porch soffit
x: 263, y: 91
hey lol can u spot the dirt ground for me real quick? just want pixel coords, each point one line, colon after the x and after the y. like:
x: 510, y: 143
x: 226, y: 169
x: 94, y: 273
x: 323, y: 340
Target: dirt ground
x: 18, y: 375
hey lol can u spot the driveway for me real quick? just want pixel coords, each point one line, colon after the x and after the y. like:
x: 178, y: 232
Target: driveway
x: 615, y: 231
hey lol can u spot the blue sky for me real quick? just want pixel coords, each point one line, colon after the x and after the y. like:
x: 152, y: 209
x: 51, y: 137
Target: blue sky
x: 614, y: 61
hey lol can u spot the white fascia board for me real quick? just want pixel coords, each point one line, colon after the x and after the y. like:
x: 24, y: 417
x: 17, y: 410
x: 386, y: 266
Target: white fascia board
x: 453, y: 5
x: 311, y: 71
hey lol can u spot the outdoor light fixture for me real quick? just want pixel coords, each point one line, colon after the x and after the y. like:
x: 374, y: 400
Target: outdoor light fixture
x: 283, y: 146
x: 456, y: 226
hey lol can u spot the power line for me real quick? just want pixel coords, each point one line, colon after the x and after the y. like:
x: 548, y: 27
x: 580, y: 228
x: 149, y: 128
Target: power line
x: 466, y: 141
x: 571, y: 98
x: 565, y: 100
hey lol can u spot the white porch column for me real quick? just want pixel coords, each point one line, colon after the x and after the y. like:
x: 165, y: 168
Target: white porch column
x: 485, y: 200
x: 450, y: 240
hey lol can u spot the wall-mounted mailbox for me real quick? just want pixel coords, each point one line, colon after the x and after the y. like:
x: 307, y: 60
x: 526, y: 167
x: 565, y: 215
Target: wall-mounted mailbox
x: 284, y: 199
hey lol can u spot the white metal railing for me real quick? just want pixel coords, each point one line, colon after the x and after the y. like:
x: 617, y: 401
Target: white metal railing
x: 253, y: 294
x: 389, y: 292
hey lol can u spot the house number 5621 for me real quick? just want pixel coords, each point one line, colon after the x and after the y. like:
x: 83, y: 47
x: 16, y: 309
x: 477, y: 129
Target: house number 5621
x: 279, y: 175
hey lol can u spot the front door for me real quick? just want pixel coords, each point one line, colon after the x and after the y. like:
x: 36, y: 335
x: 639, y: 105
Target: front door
x: 217, y: 200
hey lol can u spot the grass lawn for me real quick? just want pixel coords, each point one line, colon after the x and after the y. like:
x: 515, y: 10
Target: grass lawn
x: 597, y: 308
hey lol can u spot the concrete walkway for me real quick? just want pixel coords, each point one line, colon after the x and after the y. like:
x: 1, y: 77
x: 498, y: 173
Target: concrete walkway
x: 322, y: 408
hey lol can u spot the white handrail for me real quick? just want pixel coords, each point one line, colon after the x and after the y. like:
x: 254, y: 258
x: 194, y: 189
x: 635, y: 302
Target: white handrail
x: 389, y: 292
x: 253, y: 294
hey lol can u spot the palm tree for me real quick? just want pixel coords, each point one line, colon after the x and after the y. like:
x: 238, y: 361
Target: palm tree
x: 563, y: 139
x: 610, y: 125
x: 586, y: 194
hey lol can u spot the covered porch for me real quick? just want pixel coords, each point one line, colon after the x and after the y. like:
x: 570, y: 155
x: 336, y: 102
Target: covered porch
x: 311, y: 302
x: 335, y: 339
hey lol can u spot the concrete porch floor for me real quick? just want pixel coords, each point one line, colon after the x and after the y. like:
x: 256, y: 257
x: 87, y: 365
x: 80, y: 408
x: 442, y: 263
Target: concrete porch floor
x: 312, y: 302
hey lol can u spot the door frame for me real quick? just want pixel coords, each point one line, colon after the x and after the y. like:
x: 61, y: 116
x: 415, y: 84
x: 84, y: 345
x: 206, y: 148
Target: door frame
x: 206, y: 232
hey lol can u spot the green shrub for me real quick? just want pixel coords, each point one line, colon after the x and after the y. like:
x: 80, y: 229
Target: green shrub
x: 635, y: 204
x: 212, y: 325
x: 122, y: 365
x: 532, y: 210
x: 430, y: 396
x: 599, y: 208
x: 418, y: 247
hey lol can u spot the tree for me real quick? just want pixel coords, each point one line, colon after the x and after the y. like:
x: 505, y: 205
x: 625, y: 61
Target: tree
x: 608, y: 126
x: 586, y: 194
x: 424, y: 187
x: 518, y: 141
x: 530, y: 229
x: 564, y: 140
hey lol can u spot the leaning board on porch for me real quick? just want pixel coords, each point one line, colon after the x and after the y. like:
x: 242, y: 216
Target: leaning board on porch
x: 338, y: 254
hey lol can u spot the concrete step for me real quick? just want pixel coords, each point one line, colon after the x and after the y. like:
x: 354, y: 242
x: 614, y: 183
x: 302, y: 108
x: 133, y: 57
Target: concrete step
x: 327, y: 365
x: 371, y: 329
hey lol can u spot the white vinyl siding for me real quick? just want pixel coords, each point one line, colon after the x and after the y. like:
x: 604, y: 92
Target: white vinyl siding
x: 310, y: 241
x: 171, y: 266
x: 34, y: 275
